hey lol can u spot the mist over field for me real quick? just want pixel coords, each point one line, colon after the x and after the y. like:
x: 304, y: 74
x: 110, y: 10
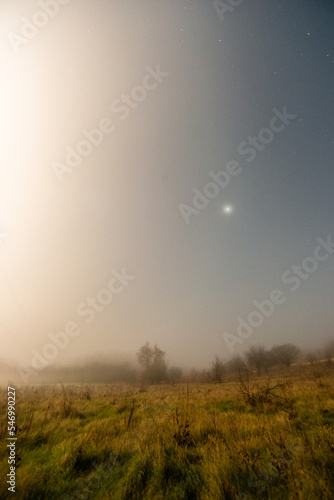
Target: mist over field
x: 166, y: 170
x: 166, y: 249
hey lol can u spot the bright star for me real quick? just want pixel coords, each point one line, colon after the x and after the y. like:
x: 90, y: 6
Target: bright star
x: 227, y: 209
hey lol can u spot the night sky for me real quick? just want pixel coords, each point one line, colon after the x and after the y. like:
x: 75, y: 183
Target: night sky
x: 188, y: 88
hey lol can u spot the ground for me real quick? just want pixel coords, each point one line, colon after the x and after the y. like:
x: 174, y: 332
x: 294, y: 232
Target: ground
x: 255, y: 437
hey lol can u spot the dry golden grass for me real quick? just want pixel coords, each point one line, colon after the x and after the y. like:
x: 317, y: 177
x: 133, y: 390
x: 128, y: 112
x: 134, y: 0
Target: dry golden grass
x: 188, y: 441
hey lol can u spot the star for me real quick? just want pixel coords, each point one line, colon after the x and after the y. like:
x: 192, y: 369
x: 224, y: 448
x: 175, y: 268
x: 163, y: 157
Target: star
x: 227, y: 209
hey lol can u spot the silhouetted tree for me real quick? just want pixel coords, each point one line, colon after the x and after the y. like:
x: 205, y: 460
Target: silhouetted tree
x: 217, y: 370
x: 153, y: 362
x: 285, y: 354
x: 236, y: 364
x: 257, y: 357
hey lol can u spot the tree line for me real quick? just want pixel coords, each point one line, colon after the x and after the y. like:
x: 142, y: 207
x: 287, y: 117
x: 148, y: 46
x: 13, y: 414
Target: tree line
x: 153, y: 368
x: 257, y: 358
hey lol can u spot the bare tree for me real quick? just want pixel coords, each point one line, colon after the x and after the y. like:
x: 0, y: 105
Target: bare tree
x: 257, y: 357
x: 217, y: 370
x: 153, y: 362
x: 145, y: 356
x: 285, y: 354
x: 236, y: 364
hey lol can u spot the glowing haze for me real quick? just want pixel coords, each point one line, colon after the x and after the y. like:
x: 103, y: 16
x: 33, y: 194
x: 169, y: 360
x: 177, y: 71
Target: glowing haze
x: 175, y: 92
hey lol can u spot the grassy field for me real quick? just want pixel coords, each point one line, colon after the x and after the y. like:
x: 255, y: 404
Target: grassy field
x: 242, y: 439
